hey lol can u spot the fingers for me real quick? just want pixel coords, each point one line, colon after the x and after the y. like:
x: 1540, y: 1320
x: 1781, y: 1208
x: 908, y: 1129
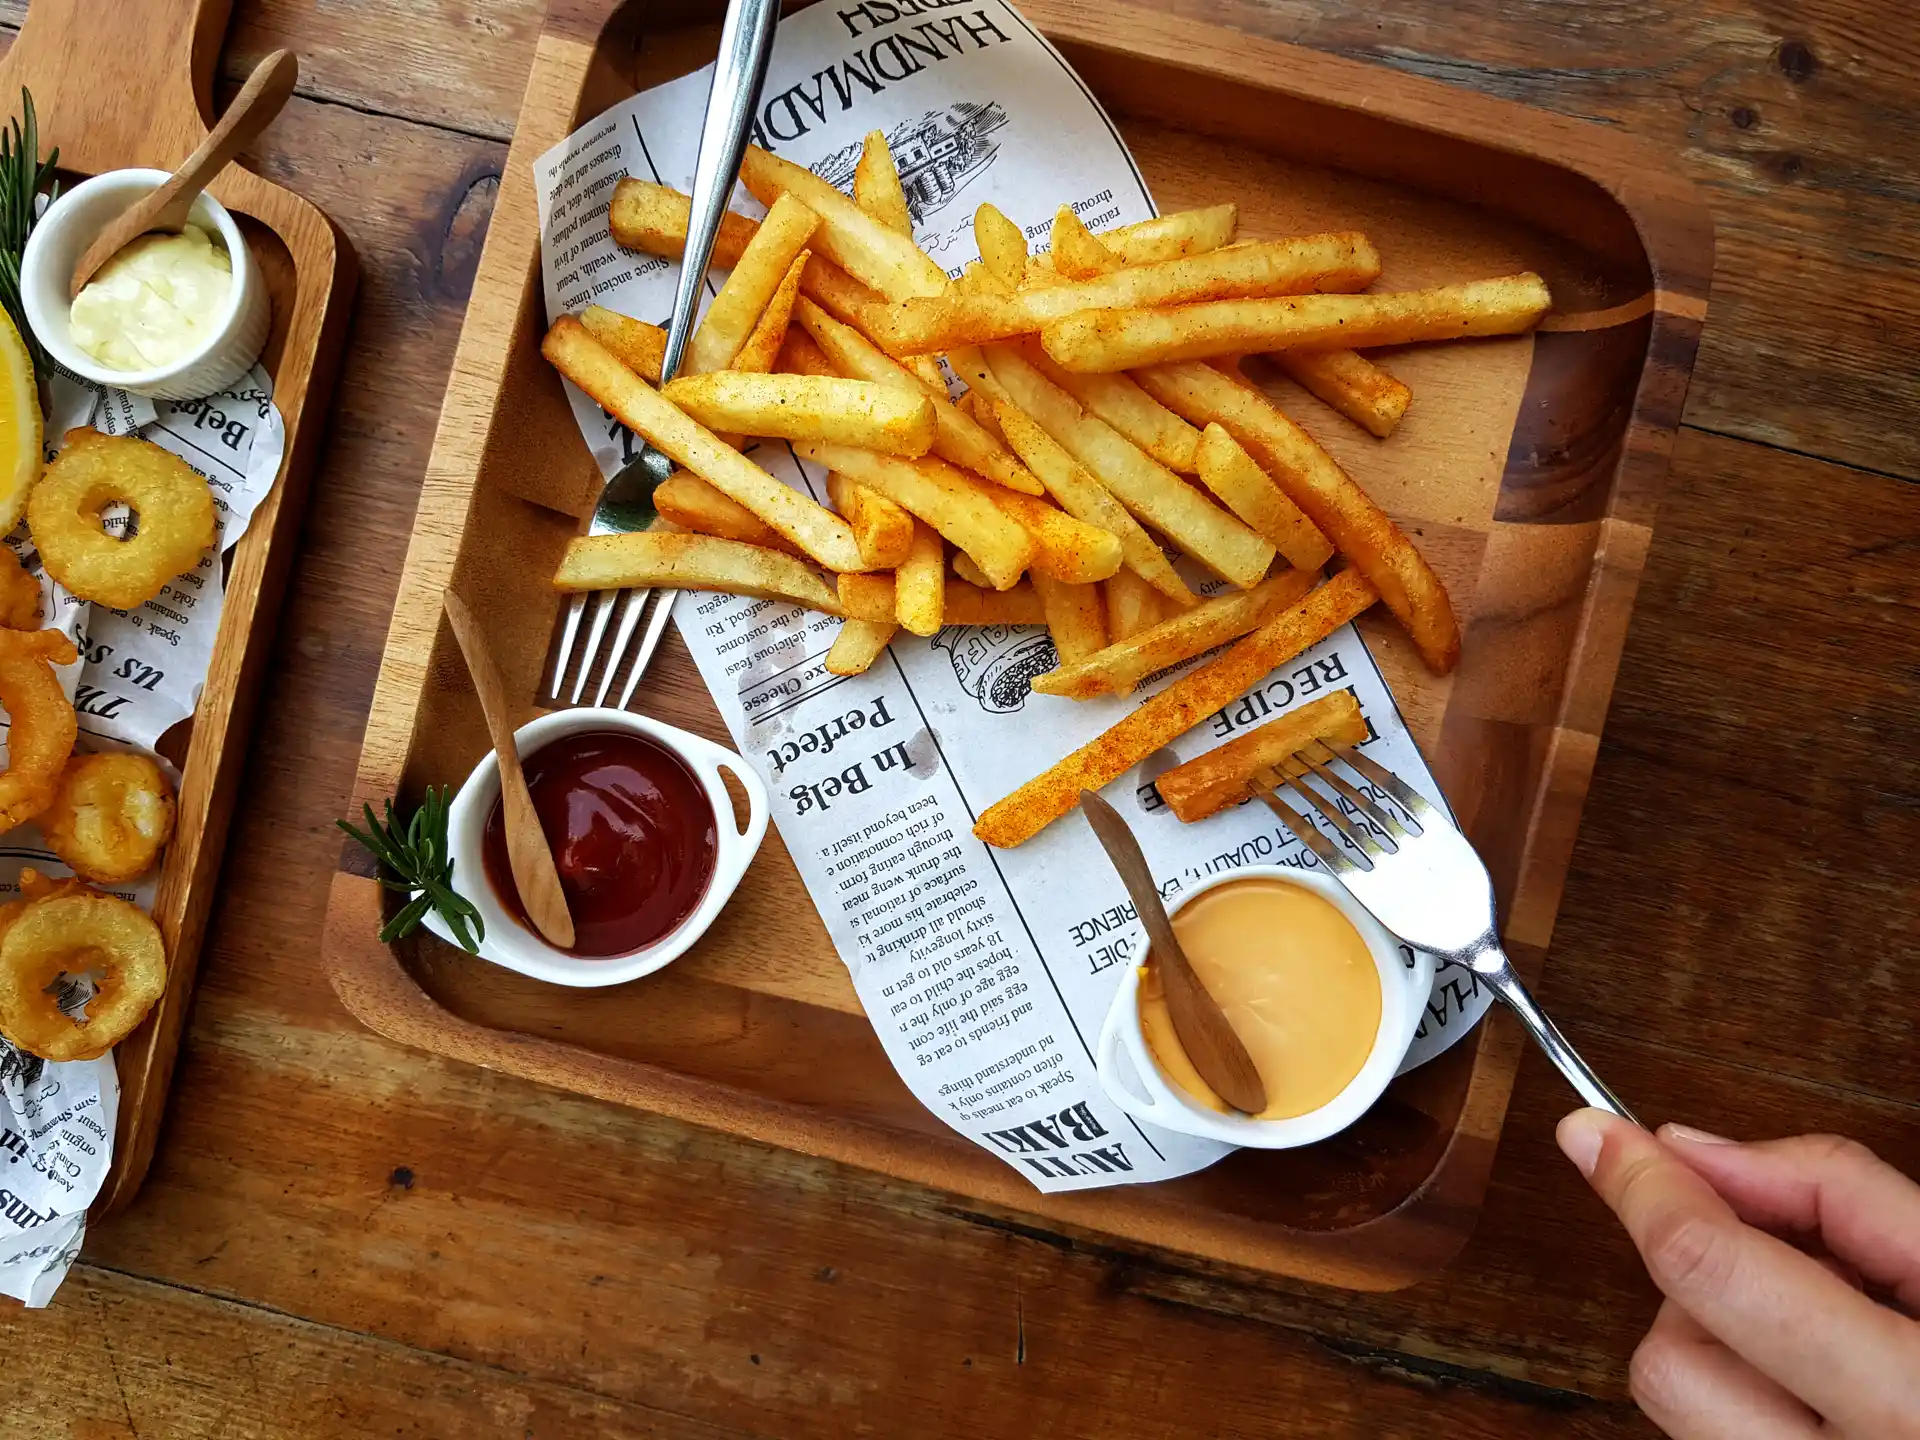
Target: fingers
x: 1782, y: 1312
x: 1864, y: 1211
x: 1695, y: 1388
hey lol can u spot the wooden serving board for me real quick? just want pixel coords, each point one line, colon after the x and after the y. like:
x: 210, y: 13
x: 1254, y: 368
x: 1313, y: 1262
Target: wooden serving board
x: 130, y: 83
x: 1528, y: 470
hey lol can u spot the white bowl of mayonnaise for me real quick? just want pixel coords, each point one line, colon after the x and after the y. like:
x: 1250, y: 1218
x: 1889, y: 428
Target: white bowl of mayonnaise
x: 1325, y: 1000
x: 173, y: 317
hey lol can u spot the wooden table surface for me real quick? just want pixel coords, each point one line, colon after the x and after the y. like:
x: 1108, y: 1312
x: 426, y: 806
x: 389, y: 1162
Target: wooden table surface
x: 344, y: 1238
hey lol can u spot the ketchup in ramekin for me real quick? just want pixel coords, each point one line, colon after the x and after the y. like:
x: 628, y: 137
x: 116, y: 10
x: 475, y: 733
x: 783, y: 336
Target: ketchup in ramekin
x: 633, y: 836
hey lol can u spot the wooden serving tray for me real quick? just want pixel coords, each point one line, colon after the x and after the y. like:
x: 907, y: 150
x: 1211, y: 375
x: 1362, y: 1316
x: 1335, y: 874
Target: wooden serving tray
x: 1528, y: 469
x: 130, y: 83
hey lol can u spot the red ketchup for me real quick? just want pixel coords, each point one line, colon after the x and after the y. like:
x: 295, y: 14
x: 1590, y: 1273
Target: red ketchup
x: 632, y: 833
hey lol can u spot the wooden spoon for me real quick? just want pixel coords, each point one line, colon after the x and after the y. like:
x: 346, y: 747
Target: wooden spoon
x: 1198, y: 1021
x: 528, y: 854
x: 167, y: 208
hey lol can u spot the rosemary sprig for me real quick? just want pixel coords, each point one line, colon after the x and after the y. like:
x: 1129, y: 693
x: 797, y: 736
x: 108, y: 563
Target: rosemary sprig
x: 417, y: 858
x: 22, y: 176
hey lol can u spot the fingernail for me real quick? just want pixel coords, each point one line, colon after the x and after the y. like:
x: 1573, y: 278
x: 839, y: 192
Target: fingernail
x: 1687, y: 1132
x: 1579, y: 1137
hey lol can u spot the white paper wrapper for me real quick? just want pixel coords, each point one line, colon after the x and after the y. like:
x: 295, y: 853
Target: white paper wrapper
x: 986, y: 973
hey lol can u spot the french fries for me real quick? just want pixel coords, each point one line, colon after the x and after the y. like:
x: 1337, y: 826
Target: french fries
x: 1345, y: 261
x: 1154, y: 494
x: 1344, y: 512
x: 1076, y: 618
x: 875, y: 598
x: 769, y: 333
x: 1066, y: 548
x: 641, y: 347
x: 880, y: 258
x: 1123, y: 339
x: 882, y: 530
x: 587, y: 363
x: 920, y: 584
x: 1249, y: 492
x: 876, y: 185
x: 1351, y: 384
x: 1166, y: 237
x: 1076, y: 253
x: 965, y: 569
x: 1209, y: 783
x: 957, y: 437
x: 653, y: 218
x: 857, y: 646
x: 809, y: 407
x: 1082, y: 495
x: 1119, y: 400
x: 1175, y: 710
x: 654, y: 558
x: 1131, y: 606
x: 949, y: 499
x: 1003, y: 248
x: 692, y: 504
x: 867, y: 597
x: 1131, y: 658
x: 756, y: 275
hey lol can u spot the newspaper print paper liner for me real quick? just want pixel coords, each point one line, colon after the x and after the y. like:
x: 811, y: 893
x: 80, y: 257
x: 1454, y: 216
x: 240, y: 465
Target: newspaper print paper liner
x: 139, y: 673
x: 985, y: 973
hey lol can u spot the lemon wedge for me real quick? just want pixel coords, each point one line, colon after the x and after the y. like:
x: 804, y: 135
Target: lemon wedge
x: 21, y: 429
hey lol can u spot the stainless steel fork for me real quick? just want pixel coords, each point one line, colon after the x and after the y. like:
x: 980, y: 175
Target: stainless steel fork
x: 626, y: 504
x: 1420, y: 878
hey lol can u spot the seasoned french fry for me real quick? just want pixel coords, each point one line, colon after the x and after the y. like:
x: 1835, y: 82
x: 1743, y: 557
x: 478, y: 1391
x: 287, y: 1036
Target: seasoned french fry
x: 957, y: 437
x: 1003, y: 247
x: 1065, y: 547
x: 1076, y: 617
x: 1125, y: 339
x: 640, y: 346
x: 980, y: 406
x: 926, y: 369
x: 1154, y: 494
x: 1351, y: 384
x: 1167, y: 237
x: 1146, y: 651
x: 1082, y: 495
x: 800, y: 356
x: 590, y: 365
x: 867, y: 597
x: 920, y: 584
x: 1119, y: 400
x: 693, y: 504
x: 1244, y: 488
x: 653, y: 218
x: 809, y: 407
x: 857, y: 646
x: 952, y: 501
x: 882, y: 530
x: 876, y: 185
x: 1172, y: 712
x: 1076, y: 253
x: 1345, y: 514
x: 1209, y: 783
x: 878, y: 257
x: 971, y: 605
x: 751, y: 285
x: 769, y: 333
x: 690, y: 562
x: 845, y: 298
x: 976, y: 278
x: 966, y: 570
x: 1131, y: 606
x: 1345, y: 261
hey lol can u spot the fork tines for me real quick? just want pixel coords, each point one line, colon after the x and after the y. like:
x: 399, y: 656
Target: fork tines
x: 1370, y: 829
x: 605, y: 664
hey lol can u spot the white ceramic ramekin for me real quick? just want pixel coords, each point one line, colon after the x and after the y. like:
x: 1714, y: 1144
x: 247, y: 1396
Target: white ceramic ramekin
x: 510, y: 943
x: 1130, y: 1075
x: 61, y: 237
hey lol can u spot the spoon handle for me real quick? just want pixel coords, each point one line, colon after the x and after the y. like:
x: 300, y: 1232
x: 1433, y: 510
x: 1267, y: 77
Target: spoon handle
x: 267, y: 90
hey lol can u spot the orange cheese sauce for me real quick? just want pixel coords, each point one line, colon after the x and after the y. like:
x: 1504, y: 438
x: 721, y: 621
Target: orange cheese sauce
x: 1296, y: 981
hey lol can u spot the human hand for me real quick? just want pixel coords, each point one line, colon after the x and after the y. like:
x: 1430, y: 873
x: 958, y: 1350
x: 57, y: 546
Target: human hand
x: 1759, y: 1340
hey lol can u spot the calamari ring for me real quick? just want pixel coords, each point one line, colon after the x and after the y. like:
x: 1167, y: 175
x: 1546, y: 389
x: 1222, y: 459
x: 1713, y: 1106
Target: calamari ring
x: 109, y: 816
x: 171, y: 503
x: 63, y: 938
x: 19, y: 594
x: 41, y: 716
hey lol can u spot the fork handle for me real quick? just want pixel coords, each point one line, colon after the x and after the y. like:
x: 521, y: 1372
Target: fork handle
x: 1494, y: 967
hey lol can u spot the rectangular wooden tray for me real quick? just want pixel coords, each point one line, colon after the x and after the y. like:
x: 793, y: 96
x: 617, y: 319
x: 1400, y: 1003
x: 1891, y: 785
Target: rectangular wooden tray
x: 131, y: 84
x: 1528, y: 469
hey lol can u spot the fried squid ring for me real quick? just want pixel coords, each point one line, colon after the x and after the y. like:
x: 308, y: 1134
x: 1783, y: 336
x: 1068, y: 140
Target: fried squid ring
x: 109, y: 816
x: 43, y: 725
x: 54, y: 944
x: 173, y: 518
x: 19, y: 594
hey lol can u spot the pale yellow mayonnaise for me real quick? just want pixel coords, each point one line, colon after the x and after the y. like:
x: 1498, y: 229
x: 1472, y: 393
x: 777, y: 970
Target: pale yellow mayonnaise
x: 154, y: 303
x: 1296, y: 981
